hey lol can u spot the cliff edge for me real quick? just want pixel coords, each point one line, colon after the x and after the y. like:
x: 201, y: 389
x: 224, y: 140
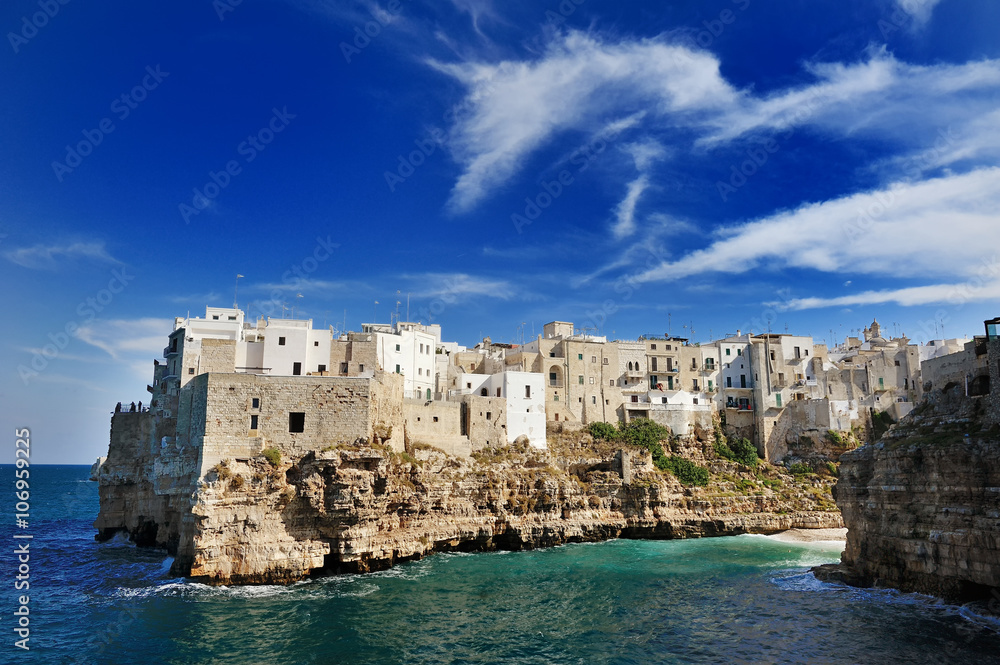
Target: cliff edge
x: 922, y: 505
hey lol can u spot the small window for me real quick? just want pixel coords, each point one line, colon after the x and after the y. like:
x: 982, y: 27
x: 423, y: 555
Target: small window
x: 593, y: 399
x: 527, y: 392
x: 296, y: 369
x: 420, y: 371
x: 897, y: 363
x: 498, y: 392
x: 281, y: 341
x: 190, y: 370
x: 489, y: 415
x: 696, y: 400
x: 315, y: 343
x: 398, y: 372
x: 468, y: 386
x: 232, y: 318
x: 435, y: 418
x: 605, y: 361
x: 739, y: 352
x: 484, y: 393
x: 421, y: 348
x: 343, y: 368
x: 593, y: 359
x: 296, y: 422
x: 215, y: 317
x: 555, y: 398
x: 807, y: 352
x: 255, y: 403
x: 728, y: 352
x: 397, y: 347
x: 253, y: 422
x: 320, y: 368
x: 361, y: 368
x: 581, y: 379
x: 591, y: 380
x: 778, y: 399
x: 663, y: 400
x: 635, y: 398
x: 579, y: 356
x: 653, y: 347
x: 612, y: 383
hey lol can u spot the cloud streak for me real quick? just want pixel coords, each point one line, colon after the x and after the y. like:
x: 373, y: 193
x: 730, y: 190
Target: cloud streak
x: 50, y: 257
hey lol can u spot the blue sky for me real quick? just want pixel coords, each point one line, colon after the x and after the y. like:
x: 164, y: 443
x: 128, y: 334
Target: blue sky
x: 638, y: 168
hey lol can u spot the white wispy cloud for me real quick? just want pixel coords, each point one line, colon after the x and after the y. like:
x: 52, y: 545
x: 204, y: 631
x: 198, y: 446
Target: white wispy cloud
x: 50, y: 257
x: 452, y: 286
x: 582, y: 80
x: 644, y: 154
x: 578, y: 84
x: 920, y: 10
x: 951, y: 294
x: 127, y: 338
x: 939, y: 227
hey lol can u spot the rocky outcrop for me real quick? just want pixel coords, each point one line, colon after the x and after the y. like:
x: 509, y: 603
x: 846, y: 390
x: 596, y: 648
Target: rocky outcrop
x: 923, y: 504
x: 363, y: 508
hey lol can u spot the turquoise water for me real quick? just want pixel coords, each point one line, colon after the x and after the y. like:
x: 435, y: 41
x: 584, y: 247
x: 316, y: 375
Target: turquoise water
x: 747, y: 599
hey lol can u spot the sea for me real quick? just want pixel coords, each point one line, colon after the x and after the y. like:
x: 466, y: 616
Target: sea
x: 742, y: 599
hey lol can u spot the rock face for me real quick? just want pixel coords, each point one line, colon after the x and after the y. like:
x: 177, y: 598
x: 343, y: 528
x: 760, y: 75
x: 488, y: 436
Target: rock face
x: 923, y: 504
x: 357, y: 508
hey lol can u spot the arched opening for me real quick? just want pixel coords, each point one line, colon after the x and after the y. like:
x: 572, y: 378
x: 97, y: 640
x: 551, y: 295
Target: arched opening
x: 555, y: 376
x: 484, y: 393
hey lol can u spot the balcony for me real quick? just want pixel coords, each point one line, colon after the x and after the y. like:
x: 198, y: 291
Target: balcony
x: 635, y: 373
x: 554, y: 383
x: 709, y: 368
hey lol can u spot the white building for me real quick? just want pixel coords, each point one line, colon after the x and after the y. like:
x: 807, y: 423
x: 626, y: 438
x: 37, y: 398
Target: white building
x: 525, y: 395
x: 409, y: 349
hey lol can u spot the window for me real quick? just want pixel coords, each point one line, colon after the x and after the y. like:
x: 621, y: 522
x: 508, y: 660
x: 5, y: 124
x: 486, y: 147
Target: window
x: 728, y: 352
x: 605, y: 361
x: 781, y: 379
x: 215, y: 317
x: 635, y: 398
x: 743, y: 380
x: 579, y: 356
x: 468, y: 386
x: 591, y: 380
x: 798, y: 352
x: 729, y: 382
x: 806, y: 352
x: 421, y: 348
x: 881, y: 383
x: 253, y: 421
x: 653, y: 347
x: 397, y: 347
x: 420, y: 371
x: 593, y: 359
x: 255, y: 403
x: 778, y: 399
x: 232, y: 318
x: 320, y: 368
x: 739, y: 352
x: 581, y: 379
x: 593, y: 399
x: 696, y: 401
x: 652, y: 363
x: 281, y: 341
x: 580, y: 400
x: 435, y: 418
x: 173, y: 344
x: 296, y: 369
x: 553, y: 379
x: 663, y: 400
x: 190, y: 370
x: 710, y: 385
x: 315, y: 343
x: 498, y: 392
x: 296, y: 422
x: 555, y: 398
x: 489, y: 415
x: 361, y: 368
x: 695, y: 384
x: 897, y: 363
x: 527, y: 392
x: 694, y: 363
x: 612, y: 383
x: 772, y: 355
x: 398, y: 372
x: 343, y: 368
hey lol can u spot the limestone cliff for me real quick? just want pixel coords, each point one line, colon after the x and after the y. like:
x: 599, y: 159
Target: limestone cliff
x: 923, y: 504
x: 356, y: 508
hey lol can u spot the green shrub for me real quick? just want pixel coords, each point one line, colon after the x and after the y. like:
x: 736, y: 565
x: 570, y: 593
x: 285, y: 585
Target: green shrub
x: 644, y: 433
x: 273, y: 455
x: 744, y: 453
x: 831, y: 468
x: 800, y: 469
x: 835, y: 437
x: 603, y: 431
x: 685, y: 471
x: 881, y: 420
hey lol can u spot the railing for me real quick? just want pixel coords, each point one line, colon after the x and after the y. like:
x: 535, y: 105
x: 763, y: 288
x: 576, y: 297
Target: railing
x: 131, y: 407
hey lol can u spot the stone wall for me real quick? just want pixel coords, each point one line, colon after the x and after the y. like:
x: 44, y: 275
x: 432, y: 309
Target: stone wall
x: 217, y: 355
x: 682, y: 419
x: 486, y: 420
x: 428, y: 422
